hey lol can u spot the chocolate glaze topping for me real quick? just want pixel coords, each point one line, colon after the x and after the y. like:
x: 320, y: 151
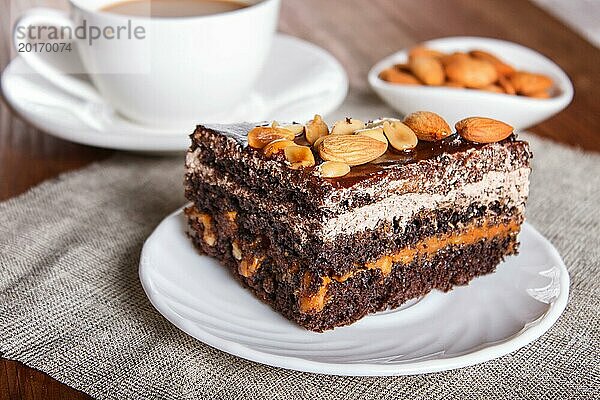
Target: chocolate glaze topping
x: 393, y: 158
x: 377, y: 168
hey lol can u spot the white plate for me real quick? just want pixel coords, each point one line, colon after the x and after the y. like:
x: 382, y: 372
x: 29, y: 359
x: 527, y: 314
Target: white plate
x: 491, y: 317
x: 455, y: 104
x: 299, y: 79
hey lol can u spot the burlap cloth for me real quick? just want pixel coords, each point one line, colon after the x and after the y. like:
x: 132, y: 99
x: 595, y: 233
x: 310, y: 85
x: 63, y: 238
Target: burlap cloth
x: 71, y: 304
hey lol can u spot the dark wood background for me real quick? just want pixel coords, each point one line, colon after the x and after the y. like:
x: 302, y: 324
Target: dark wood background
x: 358, y: 33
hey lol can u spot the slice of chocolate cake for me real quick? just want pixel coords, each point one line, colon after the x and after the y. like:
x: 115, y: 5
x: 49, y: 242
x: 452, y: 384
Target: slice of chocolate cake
x: 329, y: 225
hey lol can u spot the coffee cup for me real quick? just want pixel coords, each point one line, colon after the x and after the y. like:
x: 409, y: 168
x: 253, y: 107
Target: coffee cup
x: 158, y: 71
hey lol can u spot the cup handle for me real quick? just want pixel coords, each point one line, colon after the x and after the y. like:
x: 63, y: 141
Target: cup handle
x: 70, y: 84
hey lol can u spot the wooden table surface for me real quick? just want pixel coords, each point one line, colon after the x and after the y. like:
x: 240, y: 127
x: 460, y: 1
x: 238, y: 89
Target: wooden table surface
x: 358, y: 33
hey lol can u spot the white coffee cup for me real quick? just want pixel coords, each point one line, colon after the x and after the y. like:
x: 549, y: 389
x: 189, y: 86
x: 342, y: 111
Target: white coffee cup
x: 182, y: 71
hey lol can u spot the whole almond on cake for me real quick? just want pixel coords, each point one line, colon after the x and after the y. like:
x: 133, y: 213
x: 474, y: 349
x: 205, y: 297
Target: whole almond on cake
x: 428, y: 126
x: 483, y: 130
x: 351, y: 149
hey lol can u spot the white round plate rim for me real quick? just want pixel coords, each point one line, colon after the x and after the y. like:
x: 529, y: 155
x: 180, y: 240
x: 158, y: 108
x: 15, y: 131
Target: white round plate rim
x: 532, y: 331
x: 144, y: 139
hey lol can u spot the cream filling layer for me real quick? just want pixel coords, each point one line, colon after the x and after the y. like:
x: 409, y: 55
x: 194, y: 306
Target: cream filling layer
x: 510, y: 188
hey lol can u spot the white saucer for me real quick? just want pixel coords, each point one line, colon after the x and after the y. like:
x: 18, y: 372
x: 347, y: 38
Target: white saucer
x: 493, y: 316
x: 299, y: 80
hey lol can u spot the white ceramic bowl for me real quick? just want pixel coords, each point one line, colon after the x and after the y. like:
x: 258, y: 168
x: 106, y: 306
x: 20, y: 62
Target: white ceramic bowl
x: 455, y: 104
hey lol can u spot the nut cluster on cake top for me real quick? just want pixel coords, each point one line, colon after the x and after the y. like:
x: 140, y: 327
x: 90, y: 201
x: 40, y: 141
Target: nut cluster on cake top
x: 351, y: 142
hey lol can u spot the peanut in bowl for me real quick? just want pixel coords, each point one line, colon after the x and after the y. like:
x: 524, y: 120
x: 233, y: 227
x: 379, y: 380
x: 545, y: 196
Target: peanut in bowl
x: 537, y: 87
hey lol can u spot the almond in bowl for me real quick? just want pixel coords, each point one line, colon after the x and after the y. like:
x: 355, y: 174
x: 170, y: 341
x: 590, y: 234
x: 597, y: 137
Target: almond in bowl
x: 476, y: 69
x: 491, y: 77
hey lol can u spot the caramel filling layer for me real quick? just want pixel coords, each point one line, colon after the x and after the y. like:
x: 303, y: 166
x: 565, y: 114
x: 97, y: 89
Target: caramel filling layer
x: 247, y: 266
x: 315, y: 302
x: 206, y: 221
